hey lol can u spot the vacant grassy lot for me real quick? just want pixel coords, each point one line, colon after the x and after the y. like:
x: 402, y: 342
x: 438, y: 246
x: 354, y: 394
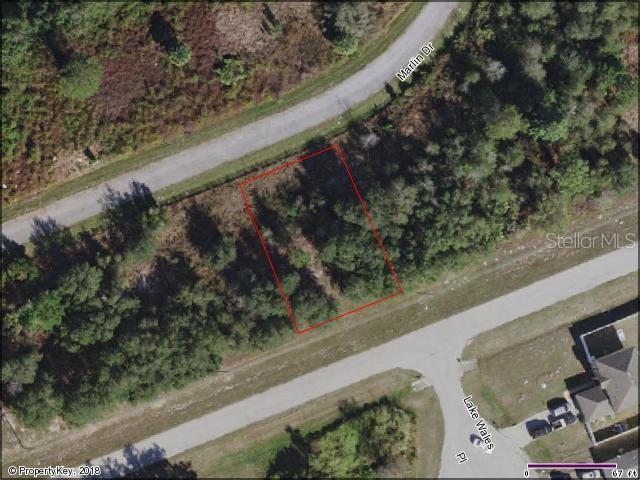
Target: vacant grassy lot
x: 247, y: 453
x: 524, y: 363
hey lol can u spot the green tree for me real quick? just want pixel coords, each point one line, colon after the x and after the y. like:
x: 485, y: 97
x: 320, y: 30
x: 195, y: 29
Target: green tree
x: 80, y: 79
x: 231, y: 72
x: 20, y: 370
x: 573, y: 177
x: 42, y: 314
x: 39, y: 403
x: 352, y: 19
x: 506, y: 124
x: 180, y: 55
x: 94, y: 307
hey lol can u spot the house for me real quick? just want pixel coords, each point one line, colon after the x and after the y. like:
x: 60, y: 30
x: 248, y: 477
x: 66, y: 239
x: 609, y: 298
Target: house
x: 618, y: 376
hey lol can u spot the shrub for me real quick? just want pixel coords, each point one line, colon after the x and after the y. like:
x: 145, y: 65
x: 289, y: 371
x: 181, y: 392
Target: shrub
x: 80, y: 79
x: 180, y: 55
x: 346, y: 46
x: 352, y: 19
x: 231, y: 71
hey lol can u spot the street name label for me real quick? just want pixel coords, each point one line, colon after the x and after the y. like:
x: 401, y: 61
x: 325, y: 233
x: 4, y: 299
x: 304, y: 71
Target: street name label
x: 481, y: 426
x: 415, y: 62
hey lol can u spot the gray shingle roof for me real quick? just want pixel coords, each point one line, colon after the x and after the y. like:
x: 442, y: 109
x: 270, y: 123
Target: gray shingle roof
x: 593, y: 404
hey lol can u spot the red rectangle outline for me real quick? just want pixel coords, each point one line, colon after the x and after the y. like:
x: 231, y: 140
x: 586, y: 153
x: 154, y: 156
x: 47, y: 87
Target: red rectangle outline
x: 374, y: 230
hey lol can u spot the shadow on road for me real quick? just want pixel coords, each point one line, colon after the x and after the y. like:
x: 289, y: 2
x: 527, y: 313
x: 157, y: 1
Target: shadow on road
x: 145, y: 463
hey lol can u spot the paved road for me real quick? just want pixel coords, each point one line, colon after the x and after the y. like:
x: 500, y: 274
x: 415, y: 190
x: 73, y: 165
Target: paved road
x: 433, y: 351
x: 252, y: 137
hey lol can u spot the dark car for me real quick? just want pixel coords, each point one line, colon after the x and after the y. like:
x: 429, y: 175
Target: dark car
x: 542, y: 430
x: 558, y: 407
x: 570, y: 418
x: 563, y: 421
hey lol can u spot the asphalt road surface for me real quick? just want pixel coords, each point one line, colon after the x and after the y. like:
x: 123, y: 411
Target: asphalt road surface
x: 254, y: 136
x: 433, y: 351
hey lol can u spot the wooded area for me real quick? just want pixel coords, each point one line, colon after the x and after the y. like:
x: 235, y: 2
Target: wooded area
x: 84, y: 81
x: 524, y: 112
x: 372, y: 441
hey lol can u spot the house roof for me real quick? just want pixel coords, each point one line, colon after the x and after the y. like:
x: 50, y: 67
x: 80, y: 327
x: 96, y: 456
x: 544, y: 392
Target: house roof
x: 618, y: 374
x: 621, y: 362
x: 623, y: 393
x: 593, y: 404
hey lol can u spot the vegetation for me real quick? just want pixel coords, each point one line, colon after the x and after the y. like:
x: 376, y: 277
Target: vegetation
x: 368, y: 442
x: 158, y: 296
x: 93, y: 81
x: 80, y: 79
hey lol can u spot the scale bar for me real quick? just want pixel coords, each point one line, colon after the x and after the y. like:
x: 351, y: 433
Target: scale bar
x: 577, y: 466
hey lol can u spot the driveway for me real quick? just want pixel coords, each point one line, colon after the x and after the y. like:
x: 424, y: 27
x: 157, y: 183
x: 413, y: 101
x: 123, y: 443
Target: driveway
x: 254, y: 136
x: 433, y: 351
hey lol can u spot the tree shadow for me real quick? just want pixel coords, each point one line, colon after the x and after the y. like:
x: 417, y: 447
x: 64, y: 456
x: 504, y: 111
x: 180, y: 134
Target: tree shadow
x: 130, y: 216
x: 11, y: 249
x: 144, y: 463
x: 204, y: 234
x: 55, y: 247
x: 291, y: 461
x: 170, y: 275
x: 162, y: 32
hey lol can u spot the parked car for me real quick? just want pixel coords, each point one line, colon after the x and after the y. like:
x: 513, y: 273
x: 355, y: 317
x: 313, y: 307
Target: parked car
x: 564, y: 420
x: 589, y: 474
x: 541, y: 431
x: 570, y: 418
x: 559, y: 408
x: 558, y: 424
x: 478, y: 442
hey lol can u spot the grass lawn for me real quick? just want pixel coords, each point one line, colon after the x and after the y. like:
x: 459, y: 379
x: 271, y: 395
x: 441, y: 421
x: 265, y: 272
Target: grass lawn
x: 429, y: 431
x: 524, y: 363
x: 222, y: 124
x: 570, y: 444
x: 247, y: 453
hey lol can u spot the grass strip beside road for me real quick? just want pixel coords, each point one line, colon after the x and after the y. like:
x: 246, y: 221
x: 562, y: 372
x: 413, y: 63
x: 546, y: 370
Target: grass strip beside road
x: 246, y: 453
x: 429, y: 431
x: 118, y: 165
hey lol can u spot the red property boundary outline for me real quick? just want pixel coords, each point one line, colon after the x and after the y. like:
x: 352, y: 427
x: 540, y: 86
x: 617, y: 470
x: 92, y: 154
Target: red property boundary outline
x: 376, y: 235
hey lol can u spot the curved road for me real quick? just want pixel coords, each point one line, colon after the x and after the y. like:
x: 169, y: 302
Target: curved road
x: 252, y: 137
x: 431, y: 350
